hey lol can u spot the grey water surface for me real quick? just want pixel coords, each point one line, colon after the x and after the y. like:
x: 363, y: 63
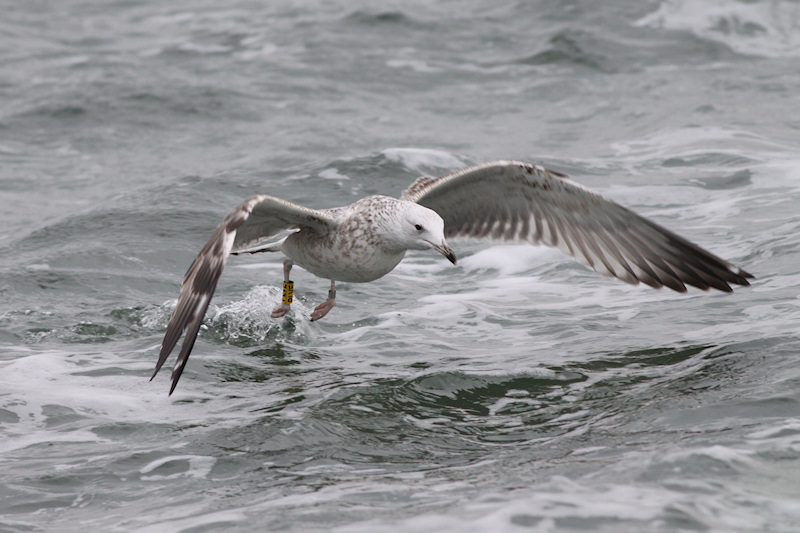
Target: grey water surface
x: 515, y: 392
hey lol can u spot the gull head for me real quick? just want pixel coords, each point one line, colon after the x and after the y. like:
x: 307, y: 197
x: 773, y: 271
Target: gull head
x: 421, y: 228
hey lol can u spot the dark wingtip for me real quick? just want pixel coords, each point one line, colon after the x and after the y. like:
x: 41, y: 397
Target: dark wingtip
x: 157, y: 369
x: 741, y: 277
x: 176, y: 376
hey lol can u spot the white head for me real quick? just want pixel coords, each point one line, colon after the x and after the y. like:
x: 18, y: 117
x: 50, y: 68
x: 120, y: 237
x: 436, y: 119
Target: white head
x: 420, y: 228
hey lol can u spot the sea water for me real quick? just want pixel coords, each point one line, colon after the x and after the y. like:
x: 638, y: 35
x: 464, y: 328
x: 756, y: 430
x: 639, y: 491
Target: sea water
x: 517, y: 391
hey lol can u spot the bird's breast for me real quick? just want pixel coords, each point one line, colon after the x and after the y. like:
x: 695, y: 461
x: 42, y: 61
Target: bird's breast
x: 352, y: 259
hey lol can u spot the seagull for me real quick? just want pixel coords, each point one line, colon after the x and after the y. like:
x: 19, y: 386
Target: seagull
x: 500, y: 200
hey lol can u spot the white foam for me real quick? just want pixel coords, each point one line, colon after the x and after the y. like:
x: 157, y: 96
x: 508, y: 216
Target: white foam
x: 724, y: 454
x: 418, y: 158
x: 511, y: 259
x: 414, y: 64
x: 49, y: 387
x: 770, y: 29
x: 199, y: 466
x: 690, y: 141
x: 561, y: 498
x: 332, y: 174
x: 197, y: 520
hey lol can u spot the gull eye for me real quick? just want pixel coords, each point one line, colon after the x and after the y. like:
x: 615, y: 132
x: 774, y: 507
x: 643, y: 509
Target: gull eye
x: 418, y: 227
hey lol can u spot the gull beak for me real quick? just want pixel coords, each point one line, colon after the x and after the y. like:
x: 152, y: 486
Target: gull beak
x: 445, y: 251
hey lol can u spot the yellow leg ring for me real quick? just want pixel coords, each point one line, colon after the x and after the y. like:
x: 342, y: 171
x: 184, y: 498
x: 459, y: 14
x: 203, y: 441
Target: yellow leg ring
x: 288, y: 292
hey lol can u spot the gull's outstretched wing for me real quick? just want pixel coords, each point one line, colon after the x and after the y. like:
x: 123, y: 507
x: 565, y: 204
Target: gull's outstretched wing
x: 254, y: 220
x: 509, y: 200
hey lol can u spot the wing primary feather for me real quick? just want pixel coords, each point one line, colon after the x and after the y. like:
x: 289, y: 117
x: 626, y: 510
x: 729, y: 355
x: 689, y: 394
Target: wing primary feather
x: 707, y: 262
x: 565, y: 239
x: 692, y: 262
x: 646, y: 274
x: 549, y: 230
x: 655, y: 259
x: 594, y: 256
x: 190, y: 338
x: 588, y: 246
x: 697, y: 277
x: 611, y: 246
x: 699, y: 258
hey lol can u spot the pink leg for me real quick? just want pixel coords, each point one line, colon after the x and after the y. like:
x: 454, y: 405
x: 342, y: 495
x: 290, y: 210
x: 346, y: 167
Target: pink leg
x: 282, y: 309
x: 322, y: 309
